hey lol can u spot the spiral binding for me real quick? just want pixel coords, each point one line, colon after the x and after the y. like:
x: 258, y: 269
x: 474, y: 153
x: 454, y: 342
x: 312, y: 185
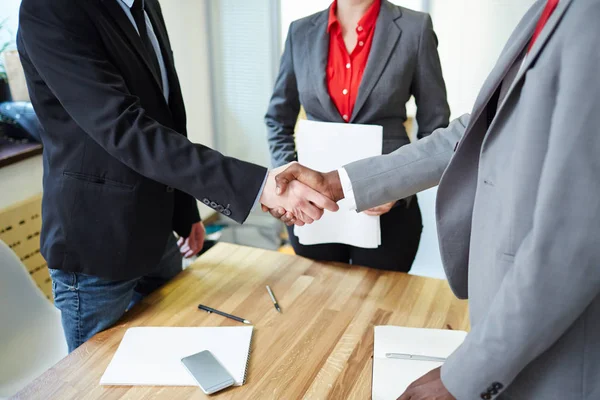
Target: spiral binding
x: 248, y: 358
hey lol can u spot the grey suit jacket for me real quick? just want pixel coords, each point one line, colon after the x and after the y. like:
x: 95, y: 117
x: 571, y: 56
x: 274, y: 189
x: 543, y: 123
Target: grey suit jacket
x: 518, y: 214
x: 403, y: 61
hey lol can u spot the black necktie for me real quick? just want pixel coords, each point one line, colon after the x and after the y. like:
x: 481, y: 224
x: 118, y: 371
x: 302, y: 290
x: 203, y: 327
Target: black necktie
x: 137, y: 11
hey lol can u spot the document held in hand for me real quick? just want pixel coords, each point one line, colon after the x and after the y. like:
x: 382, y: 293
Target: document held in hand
x: 391, y: 376
x: 327, y: 146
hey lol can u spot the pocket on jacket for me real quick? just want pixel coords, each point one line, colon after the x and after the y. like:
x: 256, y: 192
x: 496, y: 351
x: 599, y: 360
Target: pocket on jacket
x: 98, y: 217
x: 97, y: 180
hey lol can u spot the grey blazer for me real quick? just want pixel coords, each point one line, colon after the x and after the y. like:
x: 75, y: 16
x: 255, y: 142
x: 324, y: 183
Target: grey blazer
x: 403, y: 61
x: 518, y: 214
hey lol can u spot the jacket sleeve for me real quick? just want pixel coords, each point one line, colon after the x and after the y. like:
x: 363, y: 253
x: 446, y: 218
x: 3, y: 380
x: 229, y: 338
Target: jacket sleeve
x: 428, y: 85
x: 66, y: 50
x: 410, y: 169
x: 555, y: 272
x: 283, y: 110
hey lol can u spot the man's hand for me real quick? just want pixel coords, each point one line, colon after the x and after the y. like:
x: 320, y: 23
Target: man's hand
x: 327, y: 183
x: 304, y: 203
x: 380, y: 210
x: 191, y: 245
x: 427, y: 387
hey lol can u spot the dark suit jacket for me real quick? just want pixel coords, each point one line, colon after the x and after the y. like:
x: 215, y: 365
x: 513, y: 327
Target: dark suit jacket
x: 403, y: 61
x: 119, y: 172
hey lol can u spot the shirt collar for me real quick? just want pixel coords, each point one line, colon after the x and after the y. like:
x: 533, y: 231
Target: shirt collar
x: 128, y: 3
x: 366, y: 22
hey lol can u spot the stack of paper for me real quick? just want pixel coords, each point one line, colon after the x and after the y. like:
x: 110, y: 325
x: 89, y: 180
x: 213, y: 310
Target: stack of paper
x: 391, y: 376
x: 151, y: 356
x: 325, y: 146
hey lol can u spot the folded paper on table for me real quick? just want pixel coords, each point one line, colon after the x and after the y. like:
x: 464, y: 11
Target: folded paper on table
x: 151, y: 356
x: 327, y: 146
x: 391, y: 376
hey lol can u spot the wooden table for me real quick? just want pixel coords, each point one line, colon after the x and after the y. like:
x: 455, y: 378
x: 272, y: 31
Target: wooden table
x: 320, y: 347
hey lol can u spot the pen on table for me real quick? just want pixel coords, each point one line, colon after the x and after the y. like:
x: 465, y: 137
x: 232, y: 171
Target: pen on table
x: 212, y: 310
x: 401, y: 356
x: 273, y: 298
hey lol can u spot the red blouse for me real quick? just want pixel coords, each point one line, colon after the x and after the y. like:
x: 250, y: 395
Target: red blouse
x: 345, y: 71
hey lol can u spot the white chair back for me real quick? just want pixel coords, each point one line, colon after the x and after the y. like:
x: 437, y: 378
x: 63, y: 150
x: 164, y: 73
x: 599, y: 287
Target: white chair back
x: 31, y: 335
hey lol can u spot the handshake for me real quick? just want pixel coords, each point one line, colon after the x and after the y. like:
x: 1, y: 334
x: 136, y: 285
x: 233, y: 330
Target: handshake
x: 298, y: 195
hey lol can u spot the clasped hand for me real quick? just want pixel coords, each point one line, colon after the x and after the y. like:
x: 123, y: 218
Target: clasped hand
x: 284, y: 195
x: 298, y: 195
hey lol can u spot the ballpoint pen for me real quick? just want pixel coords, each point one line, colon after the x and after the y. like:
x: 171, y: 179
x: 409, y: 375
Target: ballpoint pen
x: 212, y: 310
x: 402, y: 356
x: 273, y: 298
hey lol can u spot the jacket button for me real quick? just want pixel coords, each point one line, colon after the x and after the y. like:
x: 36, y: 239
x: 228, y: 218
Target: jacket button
x: 170, y: 189
x: 227, y: 212
x: 206, y: 201
x: 486, y: 396
x: 497, y: 385
x: 213, y: 204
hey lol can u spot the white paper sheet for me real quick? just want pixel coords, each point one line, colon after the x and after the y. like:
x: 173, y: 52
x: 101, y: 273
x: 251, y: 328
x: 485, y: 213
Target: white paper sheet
x: 326, y: 146
x: 151, y: 356
x: 391, y: 377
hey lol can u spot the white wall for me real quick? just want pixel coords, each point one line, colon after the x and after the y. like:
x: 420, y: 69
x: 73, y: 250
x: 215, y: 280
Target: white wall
x: 471, y: 36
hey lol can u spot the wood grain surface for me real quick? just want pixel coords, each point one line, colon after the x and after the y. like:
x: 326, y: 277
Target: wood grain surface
x: 321, y: 347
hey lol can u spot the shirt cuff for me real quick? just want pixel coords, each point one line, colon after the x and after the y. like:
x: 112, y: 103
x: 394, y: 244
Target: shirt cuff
x: 262, y: 187
x: 347, y: 188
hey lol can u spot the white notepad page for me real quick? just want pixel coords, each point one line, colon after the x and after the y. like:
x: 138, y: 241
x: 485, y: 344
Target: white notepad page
x: 391, y: 377
x: 327, y: 146
x: 151, y: 356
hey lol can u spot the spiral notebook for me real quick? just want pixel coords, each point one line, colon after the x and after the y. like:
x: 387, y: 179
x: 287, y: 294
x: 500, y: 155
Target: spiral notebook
x: 151, y: 356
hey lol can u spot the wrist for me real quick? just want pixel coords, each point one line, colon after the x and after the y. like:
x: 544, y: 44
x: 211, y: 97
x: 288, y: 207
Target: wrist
x: 334, y: 185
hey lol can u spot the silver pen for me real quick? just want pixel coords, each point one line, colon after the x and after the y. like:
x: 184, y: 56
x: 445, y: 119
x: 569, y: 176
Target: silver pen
x: 401, y: 356
x: 273, y: 298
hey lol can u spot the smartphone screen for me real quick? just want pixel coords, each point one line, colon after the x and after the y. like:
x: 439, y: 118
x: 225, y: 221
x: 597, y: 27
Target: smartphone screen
x: 208, y: 372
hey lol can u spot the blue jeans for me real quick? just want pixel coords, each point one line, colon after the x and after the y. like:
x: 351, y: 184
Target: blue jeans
x: 89, y: 304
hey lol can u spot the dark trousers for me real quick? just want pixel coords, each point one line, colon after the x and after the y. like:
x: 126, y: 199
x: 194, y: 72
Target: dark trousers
x: 400, y: 235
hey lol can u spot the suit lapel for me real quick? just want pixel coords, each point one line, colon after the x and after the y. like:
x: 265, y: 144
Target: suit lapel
x: 537, y: 48
x: 387, y: 33
x: 508, y: 58
x: 318, y: 45
x: 131, y: 34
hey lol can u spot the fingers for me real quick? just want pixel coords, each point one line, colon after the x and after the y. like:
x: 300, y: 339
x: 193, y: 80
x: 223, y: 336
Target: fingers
x: 289, y: 219
x: 373, y: 212
x: 307, y: 213
x: 283, y: 179
x: 299, y: 172
x: 407, y: 395
x: 278, y: 212
x: 321, y: 201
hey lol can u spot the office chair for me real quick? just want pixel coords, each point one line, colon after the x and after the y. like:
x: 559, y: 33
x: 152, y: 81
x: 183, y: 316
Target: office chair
x: 31, y: 334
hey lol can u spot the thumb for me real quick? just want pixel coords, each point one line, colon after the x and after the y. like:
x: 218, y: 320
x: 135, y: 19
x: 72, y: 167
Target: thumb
x: 283, y: 179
